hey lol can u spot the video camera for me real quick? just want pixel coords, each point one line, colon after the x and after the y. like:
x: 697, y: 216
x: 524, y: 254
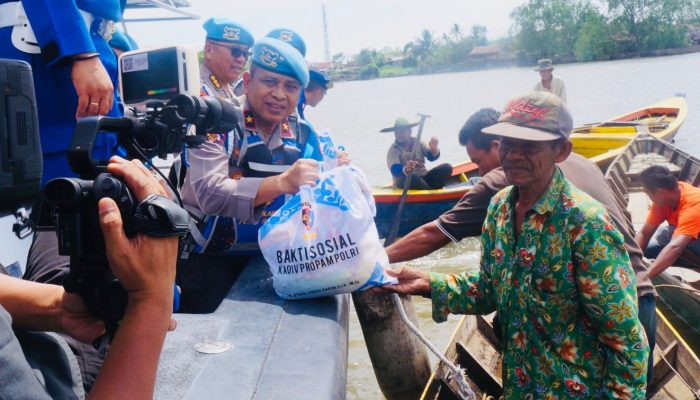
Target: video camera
x: 69, y: 205
x: 20, y: 147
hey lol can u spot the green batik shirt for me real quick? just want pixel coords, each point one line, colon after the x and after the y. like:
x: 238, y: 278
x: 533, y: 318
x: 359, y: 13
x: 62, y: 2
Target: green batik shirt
x: 566, y: 295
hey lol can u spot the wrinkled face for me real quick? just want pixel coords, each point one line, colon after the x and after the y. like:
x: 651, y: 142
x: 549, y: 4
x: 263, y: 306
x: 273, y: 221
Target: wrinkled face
x: 226, y: 67
x: 272, y: 96
x: 527, y: 162
x: 546, y: 75
x: 315, y: 95
x: 401, y: 135
x: 486, y: 160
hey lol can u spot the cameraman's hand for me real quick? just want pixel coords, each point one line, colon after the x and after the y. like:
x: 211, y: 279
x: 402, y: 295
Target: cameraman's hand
x: 303, y: 172
x: 75, y: 320
x: 93, y: 86
x: 145, y: 265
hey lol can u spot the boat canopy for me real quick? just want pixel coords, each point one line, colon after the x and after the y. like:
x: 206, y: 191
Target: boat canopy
x: 172, y: 6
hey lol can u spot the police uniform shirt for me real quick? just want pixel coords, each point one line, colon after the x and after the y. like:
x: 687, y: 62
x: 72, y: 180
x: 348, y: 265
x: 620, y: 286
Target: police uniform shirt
x: 211, y: 86
x: 215, y: 183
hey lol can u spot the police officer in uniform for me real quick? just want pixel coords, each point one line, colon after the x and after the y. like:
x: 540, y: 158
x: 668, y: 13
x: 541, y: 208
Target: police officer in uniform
x: 319, y: 83
x: 238, y: 178
x: 74, y: 69
x: 226, y: 51
x: 286, y: 35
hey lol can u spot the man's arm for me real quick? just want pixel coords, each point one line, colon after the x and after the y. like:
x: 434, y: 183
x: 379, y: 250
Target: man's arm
x: 466, y: 293
x: 418, y: 243
x: 209, y: 186
x: 607, y: 291
x: 145, y: 266
x: 62, y: 34
x: 644, y: 235
x: 669, y: 254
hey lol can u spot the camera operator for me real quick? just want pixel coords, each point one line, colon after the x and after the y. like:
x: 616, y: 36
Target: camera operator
x: 146, y: 268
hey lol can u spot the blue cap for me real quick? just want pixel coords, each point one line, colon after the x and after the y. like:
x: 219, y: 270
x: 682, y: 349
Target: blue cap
x: 320, y: 78
x: 226, y: 30
x: 122, y: 41
x: 279, y: 57
x: 289, y: 36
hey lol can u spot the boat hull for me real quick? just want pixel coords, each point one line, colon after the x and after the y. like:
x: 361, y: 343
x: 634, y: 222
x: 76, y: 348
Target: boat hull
x: 475, y: 347
x: 420, y: 206
x: 679, y: 299
x: 603, y: 142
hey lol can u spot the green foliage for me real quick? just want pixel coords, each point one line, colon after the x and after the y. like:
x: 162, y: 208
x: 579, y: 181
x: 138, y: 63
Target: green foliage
x: 594, y: 41
x: 368, y: 72
x: 391, y: 71
x: 478, y: 35
x: 564, y: 29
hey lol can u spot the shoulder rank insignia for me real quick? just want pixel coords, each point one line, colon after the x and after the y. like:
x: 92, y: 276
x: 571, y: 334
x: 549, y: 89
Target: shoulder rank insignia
x: 249, y: 119
x: 285, y: 131
x: 215, y: 81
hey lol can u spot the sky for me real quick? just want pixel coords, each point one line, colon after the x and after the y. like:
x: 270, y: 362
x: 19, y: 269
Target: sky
x: 352, y: 25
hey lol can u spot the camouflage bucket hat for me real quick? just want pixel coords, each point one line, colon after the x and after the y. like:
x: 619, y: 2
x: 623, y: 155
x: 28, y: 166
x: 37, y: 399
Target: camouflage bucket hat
x: 537, y: 116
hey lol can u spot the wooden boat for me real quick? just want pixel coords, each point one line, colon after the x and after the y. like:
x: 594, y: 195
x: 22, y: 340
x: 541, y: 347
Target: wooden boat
x: 602, y: 142
x: 475, y: 347
x: 623, y: 176
x: 421, y: 206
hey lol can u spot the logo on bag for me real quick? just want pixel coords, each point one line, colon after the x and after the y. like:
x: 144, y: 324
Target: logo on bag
x: 307, y: 218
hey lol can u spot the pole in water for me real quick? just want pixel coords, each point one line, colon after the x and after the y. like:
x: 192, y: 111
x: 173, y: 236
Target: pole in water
x: 399, y: 359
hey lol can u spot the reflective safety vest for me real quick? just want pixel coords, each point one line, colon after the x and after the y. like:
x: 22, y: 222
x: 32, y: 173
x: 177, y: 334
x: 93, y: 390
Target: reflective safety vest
x: 250, y: 156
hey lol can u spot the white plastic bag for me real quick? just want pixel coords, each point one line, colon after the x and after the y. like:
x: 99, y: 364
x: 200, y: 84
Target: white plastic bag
x: 323, y: 241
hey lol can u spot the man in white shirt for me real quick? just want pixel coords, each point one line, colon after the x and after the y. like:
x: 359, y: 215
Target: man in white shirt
x: 548, y: 82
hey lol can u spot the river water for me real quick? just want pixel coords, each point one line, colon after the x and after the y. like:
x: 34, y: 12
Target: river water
x: 354, y: 112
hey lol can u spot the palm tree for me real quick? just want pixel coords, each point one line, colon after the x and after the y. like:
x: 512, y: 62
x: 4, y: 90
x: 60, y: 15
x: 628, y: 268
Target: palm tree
x: 423, y: 44
x: 456, y: 32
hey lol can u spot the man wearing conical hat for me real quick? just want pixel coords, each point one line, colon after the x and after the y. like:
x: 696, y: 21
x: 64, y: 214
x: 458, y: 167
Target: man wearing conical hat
x: 402, y: 159
x: 548, y: 82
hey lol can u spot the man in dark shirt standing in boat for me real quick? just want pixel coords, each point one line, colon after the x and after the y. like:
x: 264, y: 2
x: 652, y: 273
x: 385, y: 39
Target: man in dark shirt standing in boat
x: 402, y: 159
x: 466, y: 218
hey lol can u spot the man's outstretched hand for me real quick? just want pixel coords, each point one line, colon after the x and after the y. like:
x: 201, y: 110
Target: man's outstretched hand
x: 411, y: 281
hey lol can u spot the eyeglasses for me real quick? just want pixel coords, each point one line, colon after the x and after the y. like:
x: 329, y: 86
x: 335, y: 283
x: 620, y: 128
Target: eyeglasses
x: 235, y: 51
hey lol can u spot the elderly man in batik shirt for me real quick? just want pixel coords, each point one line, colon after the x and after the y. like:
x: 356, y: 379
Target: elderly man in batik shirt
x: 553, y: 266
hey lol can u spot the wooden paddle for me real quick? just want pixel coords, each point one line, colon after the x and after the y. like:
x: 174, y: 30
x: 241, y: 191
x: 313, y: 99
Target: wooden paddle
x: 397, y: 219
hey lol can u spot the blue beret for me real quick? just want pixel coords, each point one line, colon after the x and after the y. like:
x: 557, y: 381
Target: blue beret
x: 122, y: 41
x: 225, y: 30
x: 289, y: 36
x: 279, y: 57
x: 320, y: 78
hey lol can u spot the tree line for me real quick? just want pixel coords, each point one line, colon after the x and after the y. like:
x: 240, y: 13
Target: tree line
x: 563, y: 30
